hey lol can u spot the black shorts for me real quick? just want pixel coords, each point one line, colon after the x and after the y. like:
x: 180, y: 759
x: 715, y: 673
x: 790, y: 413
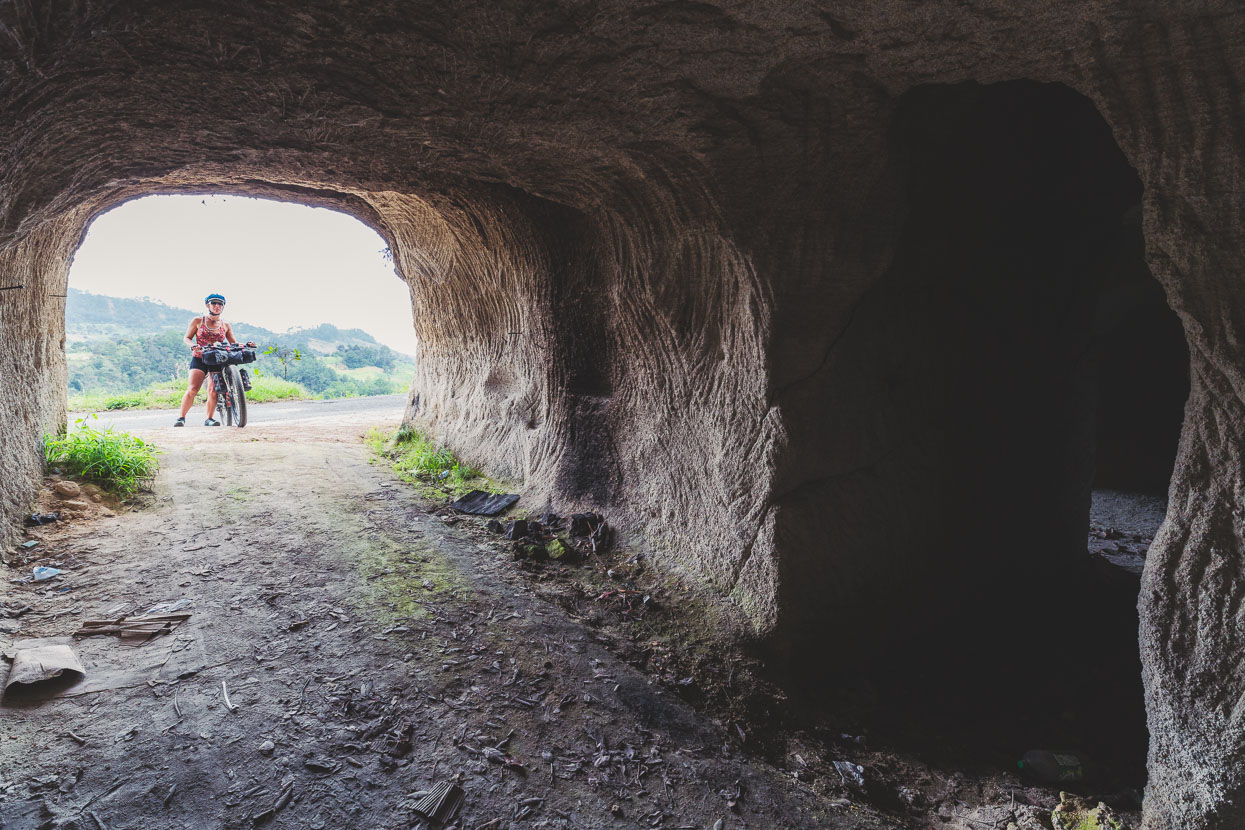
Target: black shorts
x: 197, y: 363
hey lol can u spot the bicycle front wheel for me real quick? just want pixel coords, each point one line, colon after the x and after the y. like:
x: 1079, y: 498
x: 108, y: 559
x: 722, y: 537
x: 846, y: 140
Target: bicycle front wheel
x: 237, y: 397
x: 222, y: 396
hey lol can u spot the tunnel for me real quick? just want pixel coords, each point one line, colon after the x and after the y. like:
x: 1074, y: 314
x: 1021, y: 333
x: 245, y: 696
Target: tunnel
x: 839, y: 318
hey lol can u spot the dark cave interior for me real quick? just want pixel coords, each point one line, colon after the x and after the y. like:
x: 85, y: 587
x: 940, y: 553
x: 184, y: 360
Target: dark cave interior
x: 1038, y: 360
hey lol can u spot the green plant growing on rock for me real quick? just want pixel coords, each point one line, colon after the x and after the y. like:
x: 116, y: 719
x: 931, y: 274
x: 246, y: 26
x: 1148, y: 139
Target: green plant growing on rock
x: 116, y: 461
x: 417, y: 457
x: 1076, y: 813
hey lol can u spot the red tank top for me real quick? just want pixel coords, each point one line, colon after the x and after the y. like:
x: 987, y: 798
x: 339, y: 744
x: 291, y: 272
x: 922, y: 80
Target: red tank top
x: 205, y: 337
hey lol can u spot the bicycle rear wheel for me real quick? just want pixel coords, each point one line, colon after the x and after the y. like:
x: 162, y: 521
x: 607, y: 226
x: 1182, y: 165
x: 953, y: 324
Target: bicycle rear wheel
x: 237, y: 397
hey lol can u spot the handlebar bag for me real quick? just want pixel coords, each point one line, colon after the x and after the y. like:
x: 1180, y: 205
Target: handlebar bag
x: 227, y: 357
x: 214, y: 357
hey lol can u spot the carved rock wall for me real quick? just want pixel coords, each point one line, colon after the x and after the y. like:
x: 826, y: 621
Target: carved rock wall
x: 32, y: 360
x: 675, y: 261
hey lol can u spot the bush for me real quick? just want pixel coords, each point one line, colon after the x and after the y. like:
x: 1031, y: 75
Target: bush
x: 129, y: 400
x: 117, y: 461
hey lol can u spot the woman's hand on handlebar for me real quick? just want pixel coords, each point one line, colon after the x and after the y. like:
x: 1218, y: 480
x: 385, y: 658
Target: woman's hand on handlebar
x: 196, y: 351
x: 250, y: 344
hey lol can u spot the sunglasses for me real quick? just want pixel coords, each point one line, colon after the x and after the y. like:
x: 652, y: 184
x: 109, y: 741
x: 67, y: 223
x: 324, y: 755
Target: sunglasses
x: 217, y: 302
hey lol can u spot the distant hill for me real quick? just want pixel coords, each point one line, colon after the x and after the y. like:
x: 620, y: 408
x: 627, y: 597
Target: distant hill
x: 88, y: 316
x: 96, y: 316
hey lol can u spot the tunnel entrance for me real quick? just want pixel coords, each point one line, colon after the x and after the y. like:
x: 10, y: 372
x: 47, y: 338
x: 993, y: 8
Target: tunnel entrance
x: 314, y: 287
x: 1031, y: 358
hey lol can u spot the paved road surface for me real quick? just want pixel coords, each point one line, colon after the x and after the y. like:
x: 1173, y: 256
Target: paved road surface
x: 377, y: 408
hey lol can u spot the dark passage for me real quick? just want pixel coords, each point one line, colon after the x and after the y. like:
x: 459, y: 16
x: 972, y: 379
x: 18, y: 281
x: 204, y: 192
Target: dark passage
x: 1142, y: 372
x: 1025, y: 337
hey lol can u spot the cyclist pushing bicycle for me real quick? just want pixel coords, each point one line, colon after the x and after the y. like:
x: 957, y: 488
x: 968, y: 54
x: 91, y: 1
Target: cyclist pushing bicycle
x: 212, y: 333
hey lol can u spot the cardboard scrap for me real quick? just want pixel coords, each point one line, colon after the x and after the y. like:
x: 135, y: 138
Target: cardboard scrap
x: 33, y: 666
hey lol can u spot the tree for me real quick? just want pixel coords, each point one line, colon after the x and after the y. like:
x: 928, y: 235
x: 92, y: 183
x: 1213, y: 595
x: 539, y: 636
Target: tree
x: 284, y: 354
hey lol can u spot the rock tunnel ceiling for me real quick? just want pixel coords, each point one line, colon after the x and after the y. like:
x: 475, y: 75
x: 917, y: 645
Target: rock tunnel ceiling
x: 698, y: 220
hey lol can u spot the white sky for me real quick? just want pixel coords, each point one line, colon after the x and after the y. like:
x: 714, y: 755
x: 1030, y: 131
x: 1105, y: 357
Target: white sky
x: 279, y: 265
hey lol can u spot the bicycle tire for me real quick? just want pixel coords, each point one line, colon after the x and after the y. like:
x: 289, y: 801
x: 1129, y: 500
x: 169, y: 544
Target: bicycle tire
x: 222, y: 397
x: 237, y: 397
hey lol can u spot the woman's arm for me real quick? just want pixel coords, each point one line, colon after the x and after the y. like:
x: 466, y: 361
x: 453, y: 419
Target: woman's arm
x: 189, y: 339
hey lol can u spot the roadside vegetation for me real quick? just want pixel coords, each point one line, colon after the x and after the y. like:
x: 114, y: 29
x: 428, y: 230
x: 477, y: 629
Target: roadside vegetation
x: 168, y: 395
x: 421, y: 460
x: 116, y: 461
x: 128, y: 354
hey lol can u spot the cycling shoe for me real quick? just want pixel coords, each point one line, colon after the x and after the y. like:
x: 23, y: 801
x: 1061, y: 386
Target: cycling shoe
x: 211, y: 422
x: 180, y: 422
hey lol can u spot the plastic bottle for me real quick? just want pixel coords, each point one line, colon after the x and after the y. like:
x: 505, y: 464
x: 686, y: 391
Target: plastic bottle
x: 1055, y: 767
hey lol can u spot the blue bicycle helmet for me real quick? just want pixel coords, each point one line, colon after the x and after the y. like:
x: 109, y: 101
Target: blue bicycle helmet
x: 211, y: 297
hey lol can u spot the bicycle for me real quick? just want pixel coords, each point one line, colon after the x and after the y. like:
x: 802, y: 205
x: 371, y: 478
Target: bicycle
x: 227, y: 380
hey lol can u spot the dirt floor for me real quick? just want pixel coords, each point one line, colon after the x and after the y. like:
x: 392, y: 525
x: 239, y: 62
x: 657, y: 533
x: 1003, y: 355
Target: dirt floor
x: 352, y: 644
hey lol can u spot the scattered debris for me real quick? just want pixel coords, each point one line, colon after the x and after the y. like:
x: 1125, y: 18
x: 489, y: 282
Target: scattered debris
x: 495, y: 526
x: 852, y: 774
x: 287, y: 793
x: 441, y: 803
x: 584, y: 524
x: 516, y: 529
x: 135, y: 630
x: 224, y: 691
x: 482, y: 503
x: 266, y: 748
x: 167, y: 607
x: 42, y: 574
x: 40, y: 519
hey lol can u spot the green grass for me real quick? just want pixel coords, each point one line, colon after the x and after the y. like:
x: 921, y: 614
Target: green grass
x: 267, y: 388
x: 116, y: 461
x: 168, y: 395
x: 420, y: 459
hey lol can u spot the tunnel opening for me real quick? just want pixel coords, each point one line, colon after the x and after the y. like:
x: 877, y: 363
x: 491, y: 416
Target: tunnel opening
x: 314, y: 287
x: 1029, y: 358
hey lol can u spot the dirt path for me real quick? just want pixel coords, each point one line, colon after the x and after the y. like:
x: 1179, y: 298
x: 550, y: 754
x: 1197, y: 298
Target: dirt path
x: 379, y: 650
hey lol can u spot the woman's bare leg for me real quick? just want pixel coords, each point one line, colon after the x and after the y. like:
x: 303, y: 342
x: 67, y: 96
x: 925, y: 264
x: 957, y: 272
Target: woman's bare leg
x: 188, y: 400
x: 211, y: 399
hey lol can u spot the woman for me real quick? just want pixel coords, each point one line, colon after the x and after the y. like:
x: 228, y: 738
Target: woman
x: 208, y: 330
